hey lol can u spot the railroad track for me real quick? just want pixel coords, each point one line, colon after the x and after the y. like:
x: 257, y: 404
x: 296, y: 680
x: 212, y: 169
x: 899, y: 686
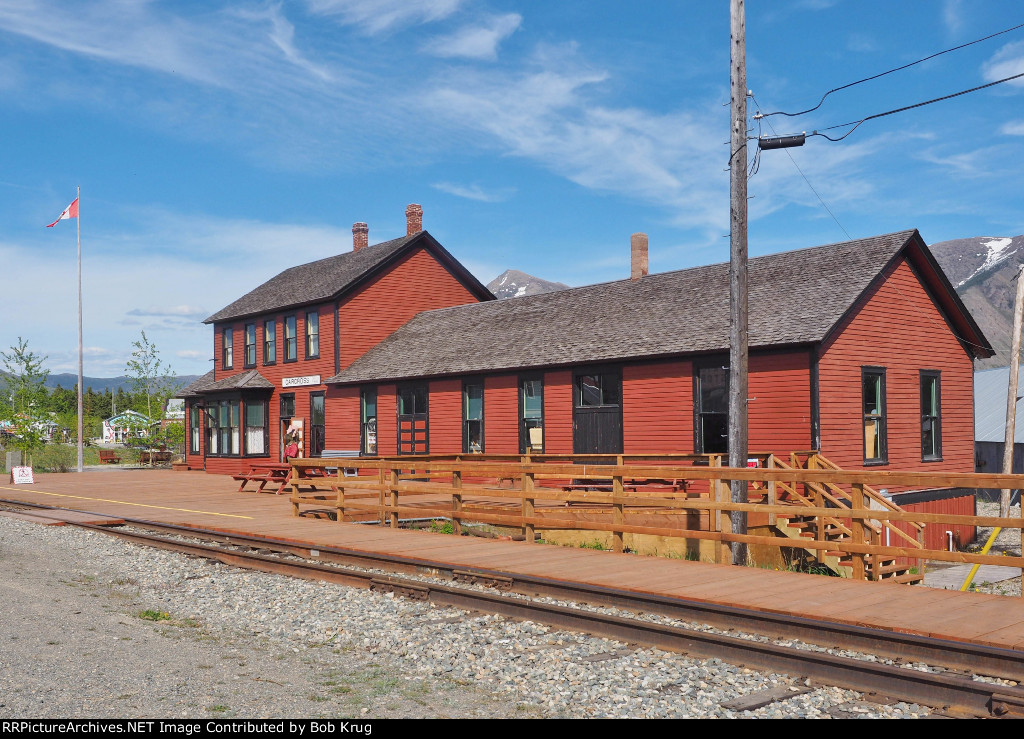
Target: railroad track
x: 952, y: 689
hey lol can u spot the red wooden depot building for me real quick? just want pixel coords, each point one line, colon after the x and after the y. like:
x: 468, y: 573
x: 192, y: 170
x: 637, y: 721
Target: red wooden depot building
x: 860, y: 349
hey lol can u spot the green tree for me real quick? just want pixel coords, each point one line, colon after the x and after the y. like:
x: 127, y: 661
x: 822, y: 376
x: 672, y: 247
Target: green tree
x: 153, y: 383
x: 25, y: 397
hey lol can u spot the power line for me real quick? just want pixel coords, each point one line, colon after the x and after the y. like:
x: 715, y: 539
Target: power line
x: 895, y: 69
x: 856, y: 124
x: 820, y: 200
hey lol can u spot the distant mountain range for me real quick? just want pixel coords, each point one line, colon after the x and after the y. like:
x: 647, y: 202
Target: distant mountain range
x: 68, y: 380
x: 982, y: 269
x: 514, y: 284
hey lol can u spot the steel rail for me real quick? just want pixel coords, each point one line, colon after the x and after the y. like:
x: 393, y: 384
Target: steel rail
x: 941, y: 690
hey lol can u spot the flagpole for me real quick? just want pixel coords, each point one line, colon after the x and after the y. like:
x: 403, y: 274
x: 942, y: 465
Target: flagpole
x: 80, y: 349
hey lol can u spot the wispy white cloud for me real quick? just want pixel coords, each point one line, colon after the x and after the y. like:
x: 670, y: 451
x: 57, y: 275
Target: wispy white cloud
x: 375, y: 16
x: 475, y: 192
x: 177, y: 311
x: 1006, y: 62
x: 547, y: 114
x: 1012, y: 128
x: 191, y: 354
x: 478, y: 41
x: 952, y: 17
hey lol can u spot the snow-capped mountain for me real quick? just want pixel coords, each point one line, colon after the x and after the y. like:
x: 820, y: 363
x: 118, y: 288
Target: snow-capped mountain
x: 514, y: 284
x: 982, y: 269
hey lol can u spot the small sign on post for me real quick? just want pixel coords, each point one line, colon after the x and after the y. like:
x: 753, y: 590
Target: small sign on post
x: 22, y: 476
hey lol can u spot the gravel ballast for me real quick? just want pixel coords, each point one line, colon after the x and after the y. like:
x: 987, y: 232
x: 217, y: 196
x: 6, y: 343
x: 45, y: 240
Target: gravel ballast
x: 231, y: 643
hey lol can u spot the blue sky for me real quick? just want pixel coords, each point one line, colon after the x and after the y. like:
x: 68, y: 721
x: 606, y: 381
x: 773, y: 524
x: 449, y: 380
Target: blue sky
x: 217, y: 143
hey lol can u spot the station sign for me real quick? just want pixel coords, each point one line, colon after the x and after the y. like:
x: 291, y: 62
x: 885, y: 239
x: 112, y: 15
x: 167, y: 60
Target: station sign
x: 303, y: 381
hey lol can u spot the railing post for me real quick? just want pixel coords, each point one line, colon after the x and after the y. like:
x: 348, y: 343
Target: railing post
x: 721, y: 493
x: 393, y: 504
x: 773, y: 494
x: 340, y: 504
x: 292, y: 488
x: 529, y: 533
x: 618, y: 512
x: 819, y: 502
x: 857, y: 525
x: 456, y: 502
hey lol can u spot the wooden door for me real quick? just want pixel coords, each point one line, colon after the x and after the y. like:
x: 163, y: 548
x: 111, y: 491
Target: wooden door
x: 597, y: 412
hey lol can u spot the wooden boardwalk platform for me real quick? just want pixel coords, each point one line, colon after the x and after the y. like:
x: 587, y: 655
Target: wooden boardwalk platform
x: 213, y: 501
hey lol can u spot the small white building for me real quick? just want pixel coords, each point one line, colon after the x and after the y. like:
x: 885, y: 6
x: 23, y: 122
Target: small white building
x: 125, y: 426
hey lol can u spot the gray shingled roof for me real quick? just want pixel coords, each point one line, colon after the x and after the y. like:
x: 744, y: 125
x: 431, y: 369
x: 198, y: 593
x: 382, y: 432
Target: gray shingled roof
x: 314, y: 282
x: 197, y: 386
x: 794, y: 298
x: 248, y: 380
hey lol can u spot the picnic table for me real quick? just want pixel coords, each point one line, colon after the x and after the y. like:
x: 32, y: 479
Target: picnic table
x: 271, y: 473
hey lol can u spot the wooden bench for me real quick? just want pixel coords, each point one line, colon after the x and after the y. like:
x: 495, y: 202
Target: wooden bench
x: 341, y: 454
x: 109, y: 456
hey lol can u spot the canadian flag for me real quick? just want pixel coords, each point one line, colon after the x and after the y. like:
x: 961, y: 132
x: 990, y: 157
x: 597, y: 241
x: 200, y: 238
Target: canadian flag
x: 70, y: 212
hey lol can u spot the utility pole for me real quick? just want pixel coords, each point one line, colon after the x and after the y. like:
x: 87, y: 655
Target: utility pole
x: 1011, y: 394
x: 738, y: 269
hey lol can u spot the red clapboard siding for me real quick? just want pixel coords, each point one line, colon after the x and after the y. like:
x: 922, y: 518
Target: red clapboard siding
x: 557, y: 412
x: 342, y: 423
x: 387, y: 421
x: 657, y: 408
x: 501, y: 424
x: 779, y: 412
x: 445, y: 416
x: 896, y: 325
x: 935, y: 533
x: 415, y: 283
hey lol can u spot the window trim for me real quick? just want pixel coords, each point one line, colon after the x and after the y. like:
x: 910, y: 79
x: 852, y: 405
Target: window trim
x: 247, y: 346
x: 465, y: 421
x: 310, y: 355
x: 883, y: 416
x: 243, y: 402
x: 195, y: 429
x: 294, y: 339
x: 936, y: 456
x: 365, y: 392
x: 521, y: 380
x: 227, y: 348
x: 271, y: 343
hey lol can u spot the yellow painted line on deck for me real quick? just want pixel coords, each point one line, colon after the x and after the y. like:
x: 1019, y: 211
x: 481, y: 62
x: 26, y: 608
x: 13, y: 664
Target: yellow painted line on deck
x: 125, y: 502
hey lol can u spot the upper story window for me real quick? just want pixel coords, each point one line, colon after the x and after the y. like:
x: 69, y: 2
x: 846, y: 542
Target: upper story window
x: 269, y: 342
x: 227, y: 356
x: 531, y: 415
x: 250, y: 345
x: 711, y: 409
x: 312, y: 335
x: 291, y: 353
x: 931, y: 416
x: 876, y: 449
x: 473, y: 417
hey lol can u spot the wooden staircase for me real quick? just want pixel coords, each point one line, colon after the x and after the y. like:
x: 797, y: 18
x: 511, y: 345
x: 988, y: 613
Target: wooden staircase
x: 801, y: 527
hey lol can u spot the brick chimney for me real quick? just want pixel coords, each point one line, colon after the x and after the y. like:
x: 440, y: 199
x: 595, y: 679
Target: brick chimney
x: 637, y: 256
x: 360, y: 236
x: 413, y: 219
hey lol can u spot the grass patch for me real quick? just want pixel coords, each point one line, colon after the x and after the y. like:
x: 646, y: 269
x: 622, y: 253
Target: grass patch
x: 219, y: 708
x: 442, y: 527
x: 150, y: 615
x: 592, y: 545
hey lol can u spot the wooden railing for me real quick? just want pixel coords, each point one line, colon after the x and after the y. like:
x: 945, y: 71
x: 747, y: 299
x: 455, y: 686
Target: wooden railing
x: 548, y: 492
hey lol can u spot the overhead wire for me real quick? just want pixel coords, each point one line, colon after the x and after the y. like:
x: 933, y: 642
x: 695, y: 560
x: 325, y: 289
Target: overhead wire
x: 820, y: 199
x: 891, y: 71
x: 856, y: 124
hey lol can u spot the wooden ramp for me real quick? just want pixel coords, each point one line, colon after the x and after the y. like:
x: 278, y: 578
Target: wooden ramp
x: 213, y: 502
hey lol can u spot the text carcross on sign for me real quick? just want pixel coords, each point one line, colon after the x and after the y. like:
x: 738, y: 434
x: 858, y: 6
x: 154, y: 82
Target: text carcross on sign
x: 300, y: 381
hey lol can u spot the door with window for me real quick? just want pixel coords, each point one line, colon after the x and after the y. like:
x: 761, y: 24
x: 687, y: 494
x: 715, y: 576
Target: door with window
x: 597, y: 412
x: 413, y: 425
x: 711, y: 408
